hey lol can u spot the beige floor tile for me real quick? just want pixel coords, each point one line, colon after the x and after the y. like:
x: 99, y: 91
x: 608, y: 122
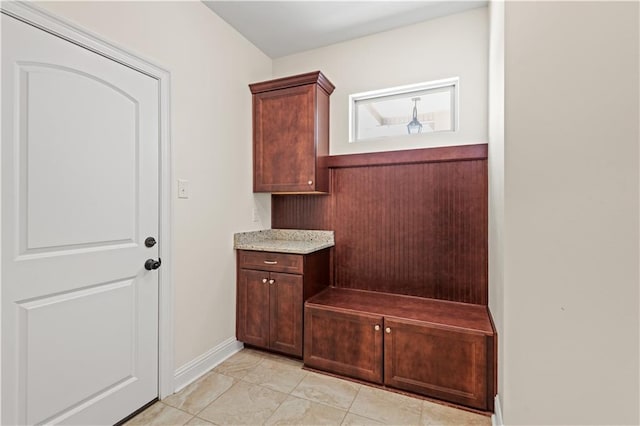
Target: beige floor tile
x: 296, y: 411
x: 160, y: 414
x: 243, y: 404
x: 356, y: 420
x: 240, y: 364
x: 387, y: 407
x: 277, y: 375
x: 436, y: 414
x: 200, y: 393
x: 327, y: 390
x: 295, y: 362
x: 197, y: 421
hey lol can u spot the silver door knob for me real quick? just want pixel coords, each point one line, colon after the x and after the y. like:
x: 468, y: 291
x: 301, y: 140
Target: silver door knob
x: 387, y: 330
x: 272, y: 281
x: 376, y: 327
x: 264, y: 280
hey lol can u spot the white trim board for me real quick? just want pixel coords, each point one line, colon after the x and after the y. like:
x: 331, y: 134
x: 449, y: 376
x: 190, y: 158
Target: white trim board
x: 46, y: 21
x: 198, y: 367
x: 496, y: 417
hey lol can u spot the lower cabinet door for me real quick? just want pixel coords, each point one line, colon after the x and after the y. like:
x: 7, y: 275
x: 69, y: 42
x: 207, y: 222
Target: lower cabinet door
x: 343, y: 343
x: 442, y: 363
x: 285, y: 299
x: 252, y: 316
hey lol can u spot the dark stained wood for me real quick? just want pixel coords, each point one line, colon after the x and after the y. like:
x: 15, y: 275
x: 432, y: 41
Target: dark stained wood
x: 437, y: 348
x: 291, y: 134
x: 343, y: 343
x: 411, y: 156
x: 316, y: 273
x: 285, y: 306
x: 302, y: 212
x: 444, y: 364
x: 252, y: 320
x: 314, y: 77
x: 417, y: 229
x: 463, y: 316
x: 268, y: 261
x: 270, y: 313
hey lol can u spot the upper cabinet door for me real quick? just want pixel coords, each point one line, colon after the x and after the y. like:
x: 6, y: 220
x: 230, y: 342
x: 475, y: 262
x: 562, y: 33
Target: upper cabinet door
x: 291, y: 134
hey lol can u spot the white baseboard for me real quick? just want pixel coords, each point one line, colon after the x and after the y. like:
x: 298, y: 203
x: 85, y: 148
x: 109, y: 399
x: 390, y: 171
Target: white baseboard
x: 201, y: 365
x: 496, y: 418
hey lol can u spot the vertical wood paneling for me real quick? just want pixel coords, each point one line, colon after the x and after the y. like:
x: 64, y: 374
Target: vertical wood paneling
x: 418, y: 229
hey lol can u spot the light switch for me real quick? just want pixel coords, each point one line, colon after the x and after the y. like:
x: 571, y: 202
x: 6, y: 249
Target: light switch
x: 183, y: 188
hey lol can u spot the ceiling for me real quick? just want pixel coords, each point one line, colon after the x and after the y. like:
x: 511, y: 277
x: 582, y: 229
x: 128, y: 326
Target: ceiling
x: 281, y: 28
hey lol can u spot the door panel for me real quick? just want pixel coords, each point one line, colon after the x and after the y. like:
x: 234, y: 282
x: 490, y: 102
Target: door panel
x: 89, y: 347
x: 253, y: 307
x: 285, y: 299
x: 442, y: 363
x: 284, y: 139
x: 56, y: 125
x: 79, y: 194
x: 343, y: 343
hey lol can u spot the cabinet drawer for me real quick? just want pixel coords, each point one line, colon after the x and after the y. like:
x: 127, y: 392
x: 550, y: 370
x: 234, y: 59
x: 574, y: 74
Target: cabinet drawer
x: 268, y: 261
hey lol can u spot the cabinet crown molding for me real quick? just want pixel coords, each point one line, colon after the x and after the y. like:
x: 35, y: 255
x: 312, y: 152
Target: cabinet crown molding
x: 315, y: 77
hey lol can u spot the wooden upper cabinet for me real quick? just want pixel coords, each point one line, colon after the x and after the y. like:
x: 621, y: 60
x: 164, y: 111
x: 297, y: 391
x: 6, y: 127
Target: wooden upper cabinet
x: 291, y: 134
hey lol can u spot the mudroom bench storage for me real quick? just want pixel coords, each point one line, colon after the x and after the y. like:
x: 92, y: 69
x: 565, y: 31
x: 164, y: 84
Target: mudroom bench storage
x: 437, y: 348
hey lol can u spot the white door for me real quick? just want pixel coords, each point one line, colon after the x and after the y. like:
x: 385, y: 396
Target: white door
x: 79, y: 197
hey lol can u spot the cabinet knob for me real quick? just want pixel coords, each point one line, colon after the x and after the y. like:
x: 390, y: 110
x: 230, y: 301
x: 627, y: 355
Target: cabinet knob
x: 310, y: 182
x: 264, y: 280
x: 387, y: 330
x: 376, y: 327
x: 271, y: 281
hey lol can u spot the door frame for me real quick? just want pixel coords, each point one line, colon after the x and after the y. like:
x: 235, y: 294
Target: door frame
x: 45, y: 20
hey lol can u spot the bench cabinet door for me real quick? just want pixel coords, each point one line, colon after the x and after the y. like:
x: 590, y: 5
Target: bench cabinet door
x: 343, y: 343
x: 449, y: 364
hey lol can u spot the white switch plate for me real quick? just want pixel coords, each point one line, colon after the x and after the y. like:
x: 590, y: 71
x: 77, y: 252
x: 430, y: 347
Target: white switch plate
x: 183, y: 188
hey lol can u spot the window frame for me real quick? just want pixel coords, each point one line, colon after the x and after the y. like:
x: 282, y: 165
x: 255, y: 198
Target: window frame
x: 407, y: 90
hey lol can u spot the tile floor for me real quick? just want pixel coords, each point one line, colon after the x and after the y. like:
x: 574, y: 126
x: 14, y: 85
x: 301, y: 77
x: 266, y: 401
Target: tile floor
x: 258, y: 388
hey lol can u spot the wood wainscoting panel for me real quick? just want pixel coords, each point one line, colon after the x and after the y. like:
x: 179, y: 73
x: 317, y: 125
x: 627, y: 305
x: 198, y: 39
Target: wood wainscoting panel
x: 413, y: 228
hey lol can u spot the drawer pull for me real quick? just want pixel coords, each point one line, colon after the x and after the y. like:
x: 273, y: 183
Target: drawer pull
x: 387, y: 330
x: 271, y: 262
x: 271, y: 281
x: 376, y: 327
x: 264, y: 280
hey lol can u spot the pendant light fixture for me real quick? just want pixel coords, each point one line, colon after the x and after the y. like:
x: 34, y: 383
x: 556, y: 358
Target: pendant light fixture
x: 414, y: 126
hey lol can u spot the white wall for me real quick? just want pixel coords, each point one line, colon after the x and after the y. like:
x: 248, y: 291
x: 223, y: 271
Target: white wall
x: 210, y: 65
x: 496, y: 176
x: 450, y: 46
x: 571, y: 186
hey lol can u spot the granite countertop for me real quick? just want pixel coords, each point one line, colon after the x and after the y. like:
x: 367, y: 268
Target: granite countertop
x: 284, y: 240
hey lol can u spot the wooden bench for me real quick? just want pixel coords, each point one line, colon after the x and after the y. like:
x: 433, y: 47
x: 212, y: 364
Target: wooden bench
x: 437, y: 348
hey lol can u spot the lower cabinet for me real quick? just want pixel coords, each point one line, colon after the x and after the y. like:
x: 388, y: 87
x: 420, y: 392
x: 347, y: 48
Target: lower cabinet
x: 344, y: 343
x: 353, y: 336
x: 271, y: 289
x: 271, y: 310
x: 442, y: 363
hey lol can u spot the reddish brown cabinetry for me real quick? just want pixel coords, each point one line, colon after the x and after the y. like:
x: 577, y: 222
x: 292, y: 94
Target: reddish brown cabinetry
x: 344, y: 343
x: 291, y: 134
x: 271, y: 290
x: 436, y: 348
x: 440, y: 362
